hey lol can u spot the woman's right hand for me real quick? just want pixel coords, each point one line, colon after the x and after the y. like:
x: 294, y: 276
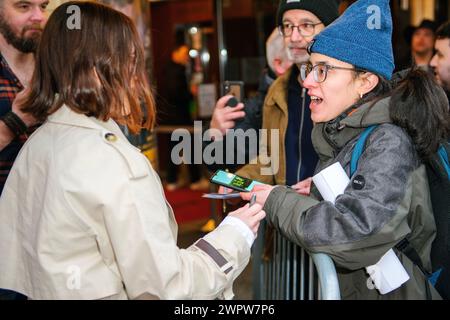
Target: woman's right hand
x: 251, y: 216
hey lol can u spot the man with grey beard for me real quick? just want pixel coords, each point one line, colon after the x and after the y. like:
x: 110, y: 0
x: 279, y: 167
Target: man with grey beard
x: 21, y: 25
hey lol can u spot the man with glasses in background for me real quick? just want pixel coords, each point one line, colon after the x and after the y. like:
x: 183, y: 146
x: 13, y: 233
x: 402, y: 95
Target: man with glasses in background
x: 286, y: 107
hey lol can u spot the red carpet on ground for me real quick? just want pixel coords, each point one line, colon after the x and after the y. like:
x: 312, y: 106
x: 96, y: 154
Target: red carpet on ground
x: 188, y: 205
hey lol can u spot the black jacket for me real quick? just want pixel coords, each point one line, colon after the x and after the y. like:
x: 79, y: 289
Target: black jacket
x: 176, y: 96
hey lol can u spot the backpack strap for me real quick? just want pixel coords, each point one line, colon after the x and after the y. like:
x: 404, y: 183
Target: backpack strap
x: 359, y: 148
x: 442, y: 153
x: 408, y: 250
x: 404, y: 245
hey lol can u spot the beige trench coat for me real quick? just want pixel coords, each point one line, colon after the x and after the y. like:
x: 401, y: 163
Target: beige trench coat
x: 83, y: 216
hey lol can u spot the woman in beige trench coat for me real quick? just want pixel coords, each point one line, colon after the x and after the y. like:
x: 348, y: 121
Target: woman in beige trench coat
x: 83, y: 214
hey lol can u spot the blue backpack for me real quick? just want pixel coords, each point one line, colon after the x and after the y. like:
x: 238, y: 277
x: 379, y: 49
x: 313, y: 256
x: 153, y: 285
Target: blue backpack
x: 438, y: 172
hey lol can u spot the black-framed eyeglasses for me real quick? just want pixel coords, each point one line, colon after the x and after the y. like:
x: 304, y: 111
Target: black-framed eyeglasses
x: 320, y: 71
x: 305, y: 29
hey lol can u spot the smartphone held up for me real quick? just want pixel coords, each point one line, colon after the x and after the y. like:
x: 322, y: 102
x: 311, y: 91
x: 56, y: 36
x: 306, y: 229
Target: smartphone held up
x: 234, y: 88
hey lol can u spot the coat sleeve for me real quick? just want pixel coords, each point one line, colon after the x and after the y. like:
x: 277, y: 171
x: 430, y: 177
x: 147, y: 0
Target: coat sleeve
x: 261, y: 167
x: 150, y: 261
x: 363, y: 224
x: 256, y: 170
x: 142, y: 231
x: 267, y: 165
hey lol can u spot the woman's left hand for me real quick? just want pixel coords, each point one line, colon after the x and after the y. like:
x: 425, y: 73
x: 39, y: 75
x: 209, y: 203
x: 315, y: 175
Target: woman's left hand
x: 261, y: 191
x: 303, y: 187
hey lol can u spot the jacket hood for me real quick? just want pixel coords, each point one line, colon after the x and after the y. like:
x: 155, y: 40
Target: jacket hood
x: 369, y: 114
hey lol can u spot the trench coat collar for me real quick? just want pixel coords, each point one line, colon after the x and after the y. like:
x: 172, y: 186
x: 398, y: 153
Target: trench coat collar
x: 65, y: 115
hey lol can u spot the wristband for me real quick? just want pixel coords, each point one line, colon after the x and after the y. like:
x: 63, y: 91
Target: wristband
x: 14, y: 123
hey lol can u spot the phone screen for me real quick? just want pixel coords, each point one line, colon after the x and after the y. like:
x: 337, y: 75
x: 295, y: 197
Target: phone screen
x: 230, y: 180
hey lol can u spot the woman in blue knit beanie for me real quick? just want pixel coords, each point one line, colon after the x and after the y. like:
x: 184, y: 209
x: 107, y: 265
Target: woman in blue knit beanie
x: 386, y: 204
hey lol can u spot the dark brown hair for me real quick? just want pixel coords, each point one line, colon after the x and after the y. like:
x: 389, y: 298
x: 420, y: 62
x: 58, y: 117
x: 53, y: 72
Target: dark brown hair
x: 96, y: 70
x: 420, y: 106
x: 443, y: 31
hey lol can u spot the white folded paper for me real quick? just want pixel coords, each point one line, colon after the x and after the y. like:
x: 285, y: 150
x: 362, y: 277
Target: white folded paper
x: 331, y: 182
x: 388, y: 273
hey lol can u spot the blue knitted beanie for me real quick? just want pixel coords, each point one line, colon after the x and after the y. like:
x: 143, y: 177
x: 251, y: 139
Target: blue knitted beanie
x: 361, y: 36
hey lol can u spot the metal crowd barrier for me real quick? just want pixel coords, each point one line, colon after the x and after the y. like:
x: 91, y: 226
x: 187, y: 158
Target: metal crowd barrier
x: 290, y: 273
